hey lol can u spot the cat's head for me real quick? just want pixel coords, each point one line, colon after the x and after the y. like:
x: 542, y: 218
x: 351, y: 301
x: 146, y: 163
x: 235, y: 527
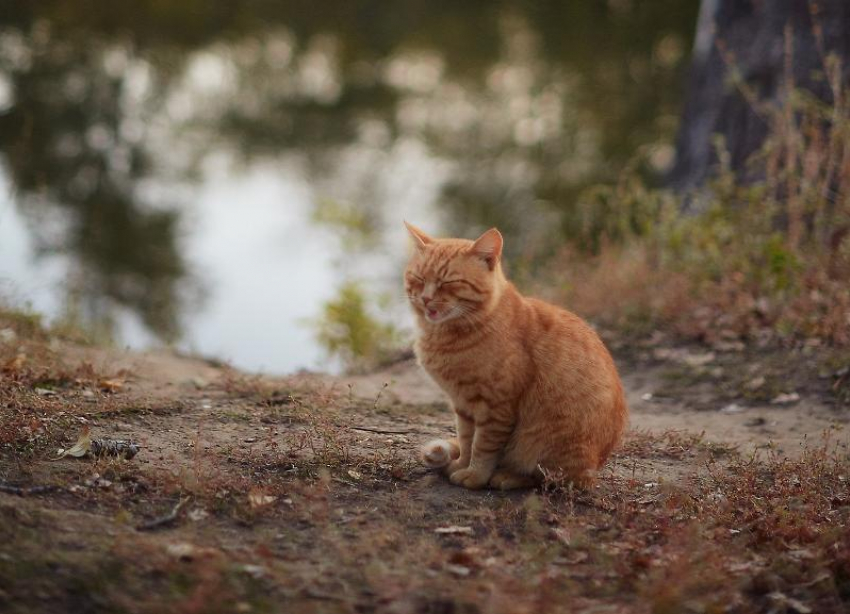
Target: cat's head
x: 454, y: 279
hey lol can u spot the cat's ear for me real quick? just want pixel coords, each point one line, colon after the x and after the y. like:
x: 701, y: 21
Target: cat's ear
x: 488, y: 247
x: 420, y: 239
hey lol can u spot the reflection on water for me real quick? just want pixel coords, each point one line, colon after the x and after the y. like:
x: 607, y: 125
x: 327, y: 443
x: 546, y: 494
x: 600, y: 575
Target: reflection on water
x: 211, y: 173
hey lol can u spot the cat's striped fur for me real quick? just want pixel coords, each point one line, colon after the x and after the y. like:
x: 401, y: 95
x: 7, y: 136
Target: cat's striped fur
x: 532, y: 386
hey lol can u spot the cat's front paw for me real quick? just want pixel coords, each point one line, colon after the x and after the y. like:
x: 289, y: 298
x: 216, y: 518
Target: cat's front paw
x: 470, y: 478
x: 455, y: 466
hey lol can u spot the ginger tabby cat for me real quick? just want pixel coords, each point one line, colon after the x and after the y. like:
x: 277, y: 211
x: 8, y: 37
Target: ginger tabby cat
x: 532, y: 385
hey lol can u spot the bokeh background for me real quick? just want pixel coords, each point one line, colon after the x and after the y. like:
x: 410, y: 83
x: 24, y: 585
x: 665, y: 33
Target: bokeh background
x: 231, y: 177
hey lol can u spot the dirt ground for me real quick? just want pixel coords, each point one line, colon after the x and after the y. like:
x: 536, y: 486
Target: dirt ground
x: 731, y: 493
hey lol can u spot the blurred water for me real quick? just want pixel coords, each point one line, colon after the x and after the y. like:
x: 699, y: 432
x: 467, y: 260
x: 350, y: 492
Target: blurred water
x: 210, y: 174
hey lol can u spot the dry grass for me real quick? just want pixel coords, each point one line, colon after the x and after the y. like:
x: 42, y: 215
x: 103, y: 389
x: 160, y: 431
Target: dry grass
x: 300, y: 498
x: 316, y: 517
x: 767, y: 260
x: 748, y: 538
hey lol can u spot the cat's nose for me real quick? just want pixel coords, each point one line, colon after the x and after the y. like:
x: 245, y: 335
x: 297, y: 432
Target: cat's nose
x: 426, y: 300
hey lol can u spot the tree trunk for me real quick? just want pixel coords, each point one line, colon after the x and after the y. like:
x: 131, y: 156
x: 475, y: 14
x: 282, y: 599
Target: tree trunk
x: 752, y: 37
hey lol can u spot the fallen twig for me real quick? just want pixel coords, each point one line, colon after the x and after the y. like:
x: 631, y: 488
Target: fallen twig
x: 380, y: 431
x: 315, y: 594
x: 25, y: 491
x: 163, y: 520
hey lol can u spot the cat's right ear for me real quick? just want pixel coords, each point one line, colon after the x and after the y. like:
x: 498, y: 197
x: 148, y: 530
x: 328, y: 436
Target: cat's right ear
x: 420, y: 239
x: 488, y: 247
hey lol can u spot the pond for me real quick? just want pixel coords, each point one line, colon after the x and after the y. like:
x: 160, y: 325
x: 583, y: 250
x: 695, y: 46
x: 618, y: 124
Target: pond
x: 210, y: 175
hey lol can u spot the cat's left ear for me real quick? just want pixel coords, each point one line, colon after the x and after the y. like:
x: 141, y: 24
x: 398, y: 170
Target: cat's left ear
x: 488, y: 247
x: 420, y: 239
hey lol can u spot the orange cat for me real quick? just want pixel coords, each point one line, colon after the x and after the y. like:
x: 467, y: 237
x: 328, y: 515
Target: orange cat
x: 532, y: 386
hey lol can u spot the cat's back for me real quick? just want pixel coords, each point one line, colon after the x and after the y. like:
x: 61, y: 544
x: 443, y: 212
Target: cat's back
x: 560, y: 338
x: 575, y: 375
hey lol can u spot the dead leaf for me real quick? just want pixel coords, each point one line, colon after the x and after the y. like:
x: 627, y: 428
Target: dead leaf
x: 257, y: 498
x: 197, y: 514
x: 781, y: 599
x: 786, y: 398
x: 755, y: 383
x: 453, y: 530
x: 110, y: 385
x: 562, y: 535
x: 575, y: 557
x: 181, y: 551
x: 698, y: 360
x: 99, y: 447
x: 15, y: 364
x: 458, y: 570
x: 7, y: 335
x: 255, y: 571
x: 184, y: 551
x: 79, y: 449
x: 355, y: 474
x: 468, y: 557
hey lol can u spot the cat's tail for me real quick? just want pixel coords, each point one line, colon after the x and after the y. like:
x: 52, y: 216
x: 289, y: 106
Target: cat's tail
x: 438, y: 453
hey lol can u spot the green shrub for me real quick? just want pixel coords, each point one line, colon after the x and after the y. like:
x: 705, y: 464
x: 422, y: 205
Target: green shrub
x: 348, y: 331
x: 766, y: 256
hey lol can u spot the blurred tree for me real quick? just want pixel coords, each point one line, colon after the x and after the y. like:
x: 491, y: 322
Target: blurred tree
x: 749, y: 53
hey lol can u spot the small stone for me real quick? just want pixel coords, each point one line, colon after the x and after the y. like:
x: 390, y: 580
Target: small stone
x: 255, y: 571
x: 786, y: 398
x: 732, y: 408
x: 458, y: 570
x: 454, y: 530
x: 755, y: 383
x: 698, y: 360
x: 181, y: 551
x: 729, y: 346
x: 197, y: 514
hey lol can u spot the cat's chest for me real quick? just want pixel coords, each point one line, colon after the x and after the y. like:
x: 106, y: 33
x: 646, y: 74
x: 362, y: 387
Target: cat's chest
x: 461, y: 372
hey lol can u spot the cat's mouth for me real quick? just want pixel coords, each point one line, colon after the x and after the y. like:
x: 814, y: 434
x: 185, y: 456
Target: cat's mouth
x: 436, y: 316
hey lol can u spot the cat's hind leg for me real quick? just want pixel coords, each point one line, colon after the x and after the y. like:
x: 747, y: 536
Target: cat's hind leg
x: 505, y: 479
x: 576, y: 465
